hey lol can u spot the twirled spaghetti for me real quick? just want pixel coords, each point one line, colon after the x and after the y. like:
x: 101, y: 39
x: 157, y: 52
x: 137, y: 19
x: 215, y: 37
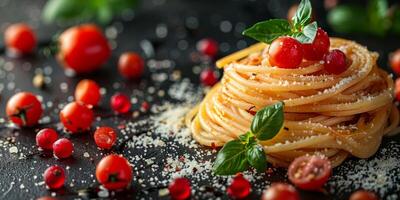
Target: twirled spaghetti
x: 332, y: 115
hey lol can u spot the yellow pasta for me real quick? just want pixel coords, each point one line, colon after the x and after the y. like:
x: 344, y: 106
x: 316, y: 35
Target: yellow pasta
x: 332, y: 115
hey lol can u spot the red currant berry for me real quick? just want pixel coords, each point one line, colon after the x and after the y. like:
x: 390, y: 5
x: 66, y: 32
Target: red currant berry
x: 207, y: 47
x: 335, y: 62
x: 280, y: 191
x: 239, y: 188
x: 318, y: 48
x: 145, y: 106
x: 20, y: 38
x: 208, y: 77
x: 63, y: 148
x: 76, y: 117
x: 45, y: 138
x: 285, y: 52
x: 363, y: 195
x: 88, y: 92
x: 120, y: 103
x: 180, y: 189
x: 54, y: 177
x: 131, y: 65
x: 105, y: 137
x: 394, y: 60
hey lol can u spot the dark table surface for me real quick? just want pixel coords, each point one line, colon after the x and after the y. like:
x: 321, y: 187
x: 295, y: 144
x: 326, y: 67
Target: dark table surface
x: 172, y: 29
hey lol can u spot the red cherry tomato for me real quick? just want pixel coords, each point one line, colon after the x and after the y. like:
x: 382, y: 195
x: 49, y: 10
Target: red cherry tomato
x: 207, y: 47
x: 285, y: 52
x: 180, y: 189
x: 397, y: 89
x: 76, y: 117
x: 24, y: 109
x: 120, y: 103
x: 20, y: 38
x: 318, y: 48
x: 114, y: 172
x: 83, y: 48
x: 208, y: 77
x: 54, y: 177
x: 363, y: 195
x: 105, y: 137
x: 88, y: 92
x: 394, y: 61
x: 63, y: 148
x: 239, y: 188
x: 131, y: 65
x: 309, y: 172
x: 45, y: 138
x: 335, y: 62
x: 281, y: 191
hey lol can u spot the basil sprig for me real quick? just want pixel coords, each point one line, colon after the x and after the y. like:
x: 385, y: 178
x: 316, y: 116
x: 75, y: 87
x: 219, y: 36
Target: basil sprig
x: 238, y: 155
x: 299, y: 28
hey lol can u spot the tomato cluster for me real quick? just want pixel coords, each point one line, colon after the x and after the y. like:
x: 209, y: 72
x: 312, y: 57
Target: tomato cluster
x: 287, y: 52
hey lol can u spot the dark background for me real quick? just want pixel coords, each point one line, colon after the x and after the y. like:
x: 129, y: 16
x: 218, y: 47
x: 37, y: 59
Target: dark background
x: 186, y: 22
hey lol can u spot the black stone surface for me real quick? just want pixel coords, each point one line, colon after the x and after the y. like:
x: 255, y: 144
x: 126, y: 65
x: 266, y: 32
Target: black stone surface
x: 17, y: 174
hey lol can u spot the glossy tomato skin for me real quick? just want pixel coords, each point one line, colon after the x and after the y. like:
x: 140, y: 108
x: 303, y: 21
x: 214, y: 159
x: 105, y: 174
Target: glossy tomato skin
x: 76, y: 117
x: 318, y: 48
x: 83, y: 48
x: 280, y: 191
x: 105, y: 137
x: 208, y: 46
x: 114, y: 172
x: 54, y: 177
x: 24, y: 109
x: 88, y: 92
x: 208, y: 77
x: 63, y: 148
x: 335, y: 62
x: 397, y: 89
x: 394, y: 61
x: 180, y: 189
x: 363, y: 195
x: 120, y: 103
x: 20, y: 38
x: 131, y: 65
x: 45, y: 138
x: 239, y: 188
x: 310, y: 172
x: 285, y: 52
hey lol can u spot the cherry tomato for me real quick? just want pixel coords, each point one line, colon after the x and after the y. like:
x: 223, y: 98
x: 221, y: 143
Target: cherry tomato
x: 309, y: 172
x: 335, y: 62
x: 397, y: 89
x: 83, y: 48
x: 239, y: 188
x: 76, y: 117
x: 207, y: 47
x: 105, y: 137
x: 24, y: 109
x: 88, y: 92
x: 63, y: 148
x: 114, y: 172
x: 20, y: 38
x: 120, y: 103
x: 394, y: 61
x: 281, y: 191
x: 363, y: 195
x: 54, y: 177
x: 285, y: 52
x: 318, y: 48
x: 131, y: 65
x: 180, y: 189
x: 45, y: 138
x: 208, y: 77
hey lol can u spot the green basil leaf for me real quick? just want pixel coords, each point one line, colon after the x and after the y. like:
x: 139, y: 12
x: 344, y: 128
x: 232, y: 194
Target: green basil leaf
x: 396, y: 22
x: 307, y: 35
x: 303, y: 14
x: 268, y: 121
x: 231, y: 159
x: 64, y: 10
x: 377, y: 14
x: 267, y: 31
x: 348, y: 19
x: 256, y: 157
